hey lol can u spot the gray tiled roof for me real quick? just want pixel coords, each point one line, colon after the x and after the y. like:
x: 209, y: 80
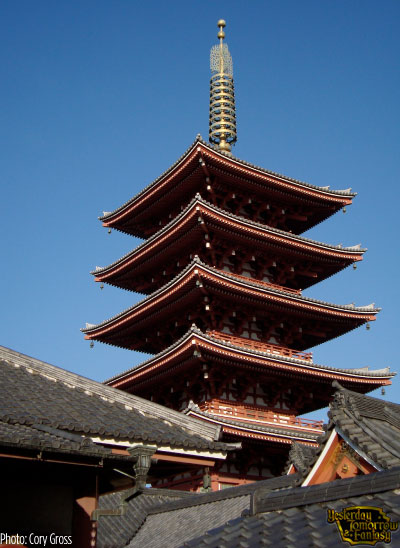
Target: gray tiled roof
x: 370, y: 425
x: 297, y: 518
x: 41, y: 402
x: 268, y: 513
x: 117, y: 531
x: 53, y: 440
x: 356, y: 249
x: 171, y: 521
x: 174, y: 527
x: 345, y: 193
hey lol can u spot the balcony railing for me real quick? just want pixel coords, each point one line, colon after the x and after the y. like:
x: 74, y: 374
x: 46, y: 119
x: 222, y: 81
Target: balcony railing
x: 253, y: 414
x: 261, y: 346
x: 264, y: 283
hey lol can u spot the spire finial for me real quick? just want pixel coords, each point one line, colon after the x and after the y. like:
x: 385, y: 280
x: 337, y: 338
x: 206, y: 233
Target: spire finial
x: 221, y: 35
x: 222, y: 95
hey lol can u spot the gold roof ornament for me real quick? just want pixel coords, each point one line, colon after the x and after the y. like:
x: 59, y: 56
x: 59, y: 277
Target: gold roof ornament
x: 222, y: 95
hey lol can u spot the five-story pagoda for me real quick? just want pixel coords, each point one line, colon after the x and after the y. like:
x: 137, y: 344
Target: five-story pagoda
x: 223, y: 266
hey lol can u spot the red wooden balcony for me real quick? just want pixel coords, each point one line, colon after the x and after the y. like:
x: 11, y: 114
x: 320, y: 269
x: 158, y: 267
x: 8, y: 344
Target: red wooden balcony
x: 261, y: 346
x: 264, y: 283
x: 254, y: 414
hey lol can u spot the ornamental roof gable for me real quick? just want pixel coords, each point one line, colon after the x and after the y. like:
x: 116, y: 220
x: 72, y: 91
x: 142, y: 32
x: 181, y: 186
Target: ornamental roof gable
x: 369, y: 428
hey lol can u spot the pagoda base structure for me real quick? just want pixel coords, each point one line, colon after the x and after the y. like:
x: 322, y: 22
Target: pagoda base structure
x: 253, y: 392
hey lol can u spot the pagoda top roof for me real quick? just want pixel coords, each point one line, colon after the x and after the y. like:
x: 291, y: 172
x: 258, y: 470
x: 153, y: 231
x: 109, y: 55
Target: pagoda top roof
x: 198, y: 200
x: 200, y: 146
x: 195, y: 336
x: 197, y: 267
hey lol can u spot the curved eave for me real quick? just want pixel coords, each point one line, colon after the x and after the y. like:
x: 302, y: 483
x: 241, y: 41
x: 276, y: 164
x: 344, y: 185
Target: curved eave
x: 286, y: 438
x: 196, y: 340
x: 196, y: 271
x: 283, y: 183
x: 123, y: 212
x: 253, y: 430
x: 200, y: 148
x: 179, y: 226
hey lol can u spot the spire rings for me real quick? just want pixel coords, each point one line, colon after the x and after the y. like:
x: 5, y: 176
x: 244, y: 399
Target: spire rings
x: 222, y: 109
x: 222, y: 128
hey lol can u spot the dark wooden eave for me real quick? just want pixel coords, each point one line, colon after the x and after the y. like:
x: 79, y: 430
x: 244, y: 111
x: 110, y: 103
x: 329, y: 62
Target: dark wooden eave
x: 185, y: 360
x: 201, y: 228
x: 200, y: 291
x: 275, y: 433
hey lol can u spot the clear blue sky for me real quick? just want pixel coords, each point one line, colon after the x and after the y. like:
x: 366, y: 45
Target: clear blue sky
x: 100, y: 97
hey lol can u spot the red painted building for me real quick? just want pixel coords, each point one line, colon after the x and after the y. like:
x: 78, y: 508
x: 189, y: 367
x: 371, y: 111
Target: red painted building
x: 223, y: 266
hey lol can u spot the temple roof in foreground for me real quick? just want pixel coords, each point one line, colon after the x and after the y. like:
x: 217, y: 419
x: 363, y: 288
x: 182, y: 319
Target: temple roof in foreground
x: 370, y: 426
x: 373, y: 423
x: 188, y: 164
x: 195, y: 341
x: 113, y: 531
x: 153, y: 505
x: 44, y: 405
x: 298, y: 516
x: 267, y: 513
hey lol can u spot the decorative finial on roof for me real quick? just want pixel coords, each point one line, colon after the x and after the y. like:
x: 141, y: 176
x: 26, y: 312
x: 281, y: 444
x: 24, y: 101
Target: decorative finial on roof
x: 222, y: 95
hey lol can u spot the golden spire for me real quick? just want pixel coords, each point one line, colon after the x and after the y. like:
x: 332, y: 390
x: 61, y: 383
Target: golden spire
x: 222, y: 95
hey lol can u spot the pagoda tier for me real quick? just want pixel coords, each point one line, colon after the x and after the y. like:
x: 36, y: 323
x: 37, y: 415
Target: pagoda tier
x: 231, y: 184
x: 242, y: 381
x: 237, y: 305
x: 230, y: 243
x: 265, y: 446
